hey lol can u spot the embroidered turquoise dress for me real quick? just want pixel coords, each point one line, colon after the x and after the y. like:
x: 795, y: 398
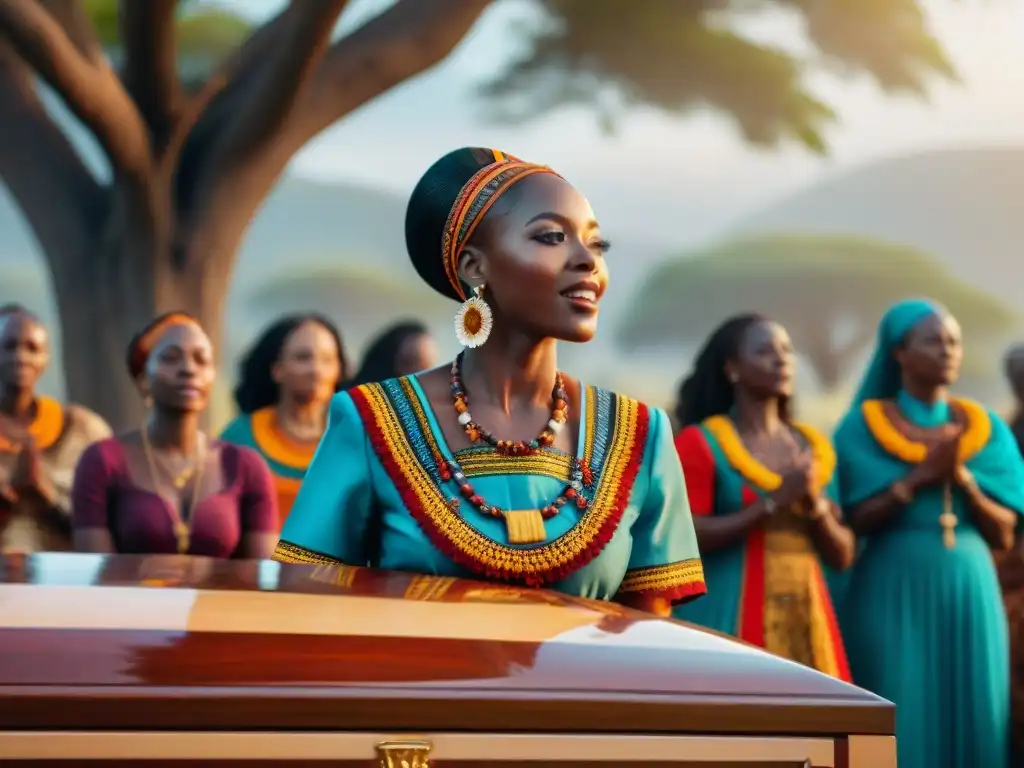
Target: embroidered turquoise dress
x: 374, y: 494
x: 924, y: 624
x: 771, y: 589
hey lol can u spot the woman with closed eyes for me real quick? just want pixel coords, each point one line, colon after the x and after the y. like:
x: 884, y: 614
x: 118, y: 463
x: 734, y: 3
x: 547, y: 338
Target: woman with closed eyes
x: 498, y: 466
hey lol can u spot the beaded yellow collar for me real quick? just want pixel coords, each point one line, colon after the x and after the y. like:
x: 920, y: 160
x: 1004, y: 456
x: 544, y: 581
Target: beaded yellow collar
x: 977, y: 431
x: 46, y: 428
x: 277, y: 446
x: 756, y: 473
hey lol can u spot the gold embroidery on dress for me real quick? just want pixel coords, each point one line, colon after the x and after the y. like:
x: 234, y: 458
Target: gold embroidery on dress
x: 795, y: 626
x: 490, y: 462
x: 469, y: 541
x: 286, y: 552
x: 664, y: 577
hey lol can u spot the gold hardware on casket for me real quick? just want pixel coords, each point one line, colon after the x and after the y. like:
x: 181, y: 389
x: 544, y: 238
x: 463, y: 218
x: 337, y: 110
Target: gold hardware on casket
x: 404, y: 754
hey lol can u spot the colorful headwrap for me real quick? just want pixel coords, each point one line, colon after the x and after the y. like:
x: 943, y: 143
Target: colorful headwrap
x: 450, y: 200
x: 882, y: 377
x: 476, y: 198
x: 144, y: 344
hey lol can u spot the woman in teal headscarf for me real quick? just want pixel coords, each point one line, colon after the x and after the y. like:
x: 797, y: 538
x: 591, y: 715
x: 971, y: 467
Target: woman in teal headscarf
x: 930, y: 482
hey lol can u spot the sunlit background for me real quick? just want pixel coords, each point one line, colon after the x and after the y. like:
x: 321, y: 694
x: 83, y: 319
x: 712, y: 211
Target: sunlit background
x: 932, y: 191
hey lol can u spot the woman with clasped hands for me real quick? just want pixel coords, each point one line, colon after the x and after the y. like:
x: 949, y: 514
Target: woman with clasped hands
x: 759, y: 485
x: 931, y: 483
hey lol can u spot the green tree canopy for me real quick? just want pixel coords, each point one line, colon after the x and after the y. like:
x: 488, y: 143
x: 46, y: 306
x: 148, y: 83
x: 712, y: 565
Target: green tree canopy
x: 829, y: 292
x: 678, y: 56
x: 205, y: 33
x: 195, y: 139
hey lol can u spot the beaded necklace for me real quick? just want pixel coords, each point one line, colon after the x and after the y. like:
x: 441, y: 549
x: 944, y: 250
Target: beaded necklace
x: 476, y: 433
x: 524, y: 526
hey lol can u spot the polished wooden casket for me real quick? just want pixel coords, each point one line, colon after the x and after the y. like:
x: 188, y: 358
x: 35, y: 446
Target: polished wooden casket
x: 149, y: 661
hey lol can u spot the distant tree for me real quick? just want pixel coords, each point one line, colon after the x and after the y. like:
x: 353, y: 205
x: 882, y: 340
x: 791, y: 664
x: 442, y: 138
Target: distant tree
x: 191, y: 160
x: 829, y: 292
x: 609, y: 56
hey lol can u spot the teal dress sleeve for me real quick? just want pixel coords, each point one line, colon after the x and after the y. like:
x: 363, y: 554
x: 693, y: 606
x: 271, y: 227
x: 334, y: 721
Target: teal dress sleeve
x: 331, y: 520
x: 665, y: 561
x: 238, y: 432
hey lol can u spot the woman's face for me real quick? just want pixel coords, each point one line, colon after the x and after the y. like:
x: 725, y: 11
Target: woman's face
x: 765, y: 363
x: 180, y: 370
x: 416, y: 353
x: 932, y: 352
x: 542, y: 261
x: 24, y: 351
x: 309, y: 366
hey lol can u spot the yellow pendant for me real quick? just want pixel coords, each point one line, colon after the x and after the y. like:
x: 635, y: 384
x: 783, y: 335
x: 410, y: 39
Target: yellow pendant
x: 948, y: 522
x: 183, y: 535
x: 525, y: 526
x: 182, y: 480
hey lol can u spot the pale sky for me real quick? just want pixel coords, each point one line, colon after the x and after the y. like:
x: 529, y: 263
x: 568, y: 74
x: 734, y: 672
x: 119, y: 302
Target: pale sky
x: 693, y: 173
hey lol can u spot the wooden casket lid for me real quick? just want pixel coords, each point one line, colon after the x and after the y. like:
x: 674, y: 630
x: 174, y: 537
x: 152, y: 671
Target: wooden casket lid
x: 183, y: 642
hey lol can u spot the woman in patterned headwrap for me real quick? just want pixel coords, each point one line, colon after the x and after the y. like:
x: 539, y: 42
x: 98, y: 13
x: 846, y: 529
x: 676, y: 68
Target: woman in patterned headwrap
x: 497, y: 466
x: 41, y: 441
x: 931, y: 483
x: 166, y: 487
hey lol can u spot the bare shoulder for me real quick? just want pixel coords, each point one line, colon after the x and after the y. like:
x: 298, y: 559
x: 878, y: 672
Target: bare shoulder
x: 86, y: 422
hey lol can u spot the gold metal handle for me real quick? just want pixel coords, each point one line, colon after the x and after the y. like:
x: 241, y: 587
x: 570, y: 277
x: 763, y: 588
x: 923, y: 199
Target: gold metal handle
x: 404, y: 754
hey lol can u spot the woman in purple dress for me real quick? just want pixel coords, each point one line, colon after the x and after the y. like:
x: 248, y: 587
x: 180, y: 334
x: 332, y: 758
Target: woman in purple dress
x: 167, y: 487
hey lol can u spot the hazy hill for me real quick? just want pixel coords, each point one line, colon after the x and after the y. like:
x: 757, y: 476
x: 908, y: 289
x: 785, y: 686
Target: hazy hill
x: 964, y: 206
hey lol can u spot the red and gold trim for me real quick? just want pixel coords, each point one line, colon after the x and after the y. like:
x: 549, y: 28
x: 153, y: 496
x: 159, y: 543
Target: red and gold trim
x: 275, y: 444
x: 458, y: 540
x: 764, y: 546
x: 676, y: 582
x: 46, y: 428
x: 756, y: 473
x: 976, y: 434
x: 474, y: 200
x: 286, y: 552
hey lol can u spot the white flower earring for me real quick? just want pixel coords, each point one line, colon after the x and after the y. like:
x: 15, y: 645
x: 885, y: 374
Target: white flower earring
x: 474, y: 320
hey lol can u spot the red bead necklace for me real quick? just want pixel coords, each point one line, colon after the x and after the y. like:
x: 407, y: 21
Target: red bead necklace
x: 524, y: 526
x: 476, y: 433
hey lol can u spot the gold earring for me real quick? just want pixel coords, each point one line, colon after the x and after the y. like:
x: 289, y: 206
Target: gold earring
x: 474, y: 320
x: 734, y: 378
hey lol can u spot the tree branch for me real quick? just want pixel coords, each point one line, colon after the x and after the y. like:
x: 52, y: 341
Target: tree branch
x: 72, y: 17
x: 403, y: 41
x: 150, y: 73
x: 277, y: 84
x: 91, y: 91
x: 62, y: 201
x: 270, y: 72
x: 217, y: 100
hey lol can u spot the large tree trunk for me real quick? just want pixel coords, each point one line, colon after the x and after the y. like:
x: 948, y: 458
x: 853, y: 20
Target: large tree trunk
x: 97, y: 325
x: 189, y: 169
x: 139, y: 268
